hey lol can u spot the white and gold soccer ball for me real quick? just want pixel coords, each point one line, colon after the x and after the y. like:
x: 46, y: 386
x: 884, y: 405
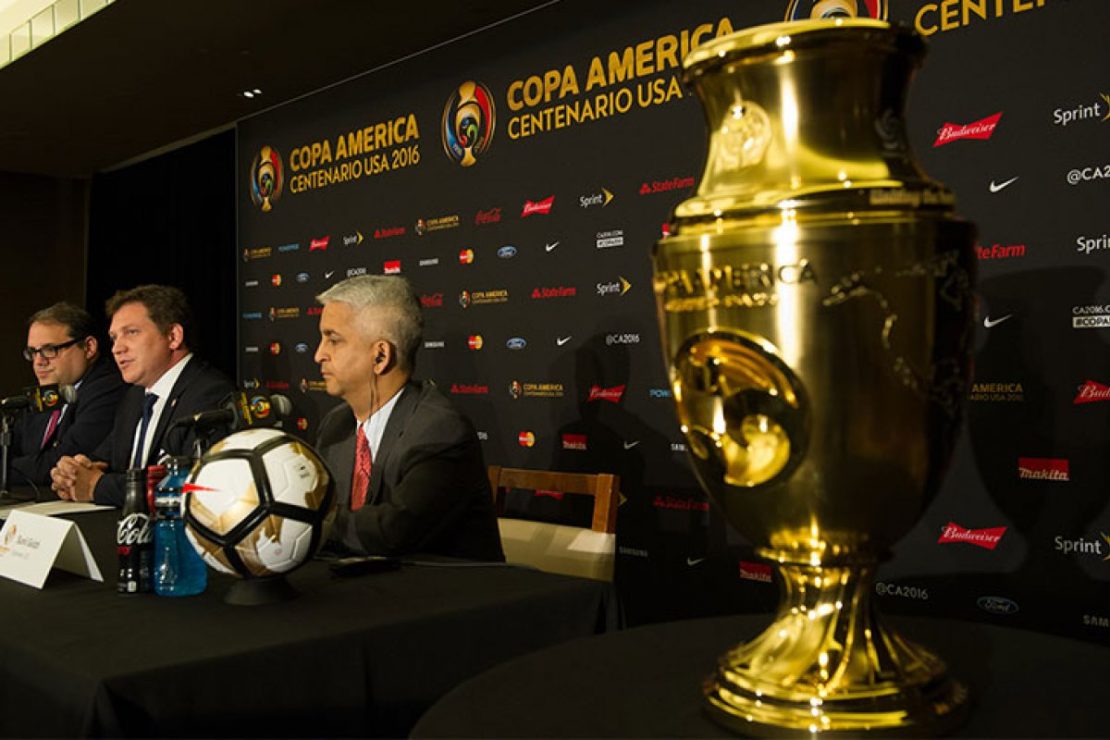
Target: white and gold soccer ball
x: 258, y: 504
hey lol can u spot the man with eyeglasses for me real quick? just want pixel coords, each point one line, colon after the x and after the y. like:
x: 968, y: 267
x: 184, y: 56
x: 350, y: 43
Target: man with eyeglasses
x: 62, y: 348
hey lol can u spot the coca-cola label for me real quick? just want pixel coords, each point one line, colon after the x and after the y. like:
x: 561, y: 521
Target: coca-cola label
x: 133, y: 529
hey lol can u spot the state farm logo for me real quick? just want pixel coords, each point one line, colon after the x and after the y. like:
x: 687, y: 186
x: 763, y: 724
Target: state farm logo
x: 1093, y: 316
x: 1098, y: 110
x: 1094, y: 243
x: 391, y: 267
x: 666, y: 186
x: 540, y: 207
x: 431, y: 300
x: 611, y: 238
x: 469, y: 389
x: 985, y: 392
x: 466, y: 256
x: 1082, y: 546
x: 602, y: 199
x: 611, y: 339
x: 474, y: 342
x: 518, y: 390
x: 319, y: 244
x: 574, y: 442
x: 758, y: 572
x: 560, y: 291
x: 387, y: 232
x: 1043, y: 468
x: 612, y: 395
x: 980, y: 130
x: 618, y: 287
x: 988, y: 539
x: 679, y: 503
x: 526, y: 439
x: 492, y: 216
x: 1000, y: 251
x: 1092, y: 392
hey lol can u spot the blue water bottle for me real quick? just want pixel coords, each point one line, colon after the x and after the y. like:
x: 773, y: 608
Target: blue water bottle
x: 178, y: 568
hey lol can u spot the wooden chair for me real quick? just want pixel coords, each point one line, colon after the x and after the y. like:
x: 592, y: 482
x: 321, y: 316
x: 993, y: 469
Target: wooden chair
x: 560, y: 548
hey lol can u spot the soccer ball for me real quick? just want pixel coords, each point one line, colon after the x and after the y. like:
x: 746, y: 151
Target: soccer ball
x: 258, y: 504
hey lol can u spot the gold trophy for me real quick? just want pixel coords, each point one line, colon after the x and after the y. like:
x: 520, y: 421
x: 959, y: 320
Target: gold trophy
x: 815, y: 301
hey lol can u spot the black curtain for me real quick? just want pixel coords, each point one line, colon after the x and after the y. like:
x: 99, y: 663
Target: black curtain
x: 171, y: 219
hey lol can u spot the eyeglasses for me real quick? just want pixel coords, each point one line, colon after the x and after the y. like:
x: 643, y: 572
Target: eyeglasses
x: 48, y: 351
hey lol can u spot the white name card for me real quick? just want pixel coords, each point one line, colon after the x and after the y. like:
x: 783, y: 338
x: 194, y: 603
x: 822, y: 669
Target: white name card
x: 32, y: 544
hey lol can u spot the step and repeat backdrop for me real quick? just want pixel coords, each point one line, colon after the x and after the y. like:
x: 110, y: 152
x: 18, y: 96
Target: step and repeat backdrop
x: 519, y: 178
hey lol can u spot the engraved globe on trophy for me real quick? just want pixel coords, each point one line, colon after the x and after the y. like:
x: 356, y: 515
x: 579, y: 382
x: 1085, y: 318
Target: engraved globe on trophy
x: 815, y: 301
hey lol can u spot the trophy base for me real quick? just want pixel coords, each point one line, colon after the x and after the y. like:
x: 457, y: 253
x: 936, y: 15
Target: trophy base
x: 827, y: 666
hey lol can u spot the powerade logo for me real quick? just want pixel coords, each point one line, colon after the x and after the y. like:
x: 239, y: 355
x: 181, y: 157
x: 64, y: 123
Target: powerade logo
x: 267, y: 178
x: 469, y: 120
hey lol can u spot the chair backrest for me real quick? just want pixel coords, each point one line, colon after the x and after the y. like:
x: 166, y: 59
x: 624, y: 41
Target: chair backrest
x: 555, y: 547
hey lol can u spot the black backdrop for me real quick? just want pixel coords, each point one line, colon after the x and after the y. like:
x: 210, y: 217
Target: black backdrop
x: 534, y: 268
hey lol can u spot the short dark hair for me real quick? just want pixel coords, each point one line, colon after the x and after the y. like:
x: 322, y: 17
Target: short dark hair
x: 165, y: 304
x: 75, y: 319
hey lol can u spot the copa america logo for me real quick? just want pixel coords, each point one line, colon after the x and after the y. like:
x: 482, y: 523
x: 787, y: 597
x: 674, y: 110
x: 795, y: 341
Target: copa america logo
x: 267, y: 178
x: 468, y: 123
x: 803, y: 9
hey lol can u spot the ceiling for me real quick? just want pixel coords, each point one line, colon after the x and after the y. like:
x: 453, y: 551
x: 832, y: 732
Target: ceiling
x: 142, y: 75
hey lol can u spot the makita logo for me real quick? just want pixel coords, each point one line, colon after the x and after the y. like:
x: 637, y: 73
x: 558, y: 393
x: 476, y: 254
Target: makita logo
x: 559, y: 292
x: 431, y: 300
x: 319, y: 244
x: 388, y: 231
x: 539, y: 207
x: 988, y: 539
x: 492, y: 216
x: 760, y: 572
x: 469, y: 389
x: 1043, y: 468
x: 1000, y: 251
x: 1092, y: 392
x: 665, y: 186
x: 574, y: 441
x: 979, y: 130
x: 613, y: 395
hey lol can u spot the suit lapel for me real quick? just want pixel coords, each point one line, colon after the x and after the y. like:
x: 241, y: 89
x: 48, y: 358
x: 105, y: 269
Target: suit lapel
x: 342, y: 463
x: 394, y: 430
x: 168, y: 410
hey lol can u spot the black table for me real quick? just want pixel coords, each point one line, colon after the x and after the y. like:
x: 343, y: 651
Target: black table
x: 352, y: 656
x: 645, y: 682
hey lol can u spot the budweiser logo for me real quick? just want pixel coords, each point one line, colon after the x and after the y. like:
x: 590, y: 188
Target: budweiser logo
x: 1091, y: 392
x: 321, y: 243
x: 1043, y: 468
x: 613, y: 395
x: 491, y: 216
x: 986, y: 538
x: 981, y: 130
x: 541, y: 206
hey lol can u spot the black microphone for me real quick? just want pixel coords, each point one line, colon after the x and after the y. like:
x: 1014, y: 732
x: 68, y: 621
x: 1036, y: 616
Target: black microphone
x: 243, y: 410
x: 40, y: 398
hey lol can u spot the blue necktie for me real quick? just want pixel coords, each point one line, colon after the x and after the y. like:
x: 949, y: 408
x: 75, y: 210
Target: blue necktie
x: 148, y: 409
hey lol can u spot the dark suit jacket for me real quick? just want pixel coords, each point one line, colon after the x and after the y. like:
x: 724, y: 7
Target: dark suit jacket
x: 83, y: 428
x: 429, y: 491
x: 199, y: 388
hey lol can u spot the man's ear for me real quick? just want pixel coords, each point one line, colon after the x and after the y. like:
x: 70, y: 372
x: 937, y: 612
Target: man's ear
x: 176, y: 336
x: 92, y: 346
x: 383, y: 356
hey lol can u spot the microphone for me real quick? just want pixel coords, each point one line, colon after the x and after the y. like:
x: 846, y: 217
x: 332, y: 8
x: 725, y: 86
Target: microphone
x: 242, y: 410
x: 40, y: 398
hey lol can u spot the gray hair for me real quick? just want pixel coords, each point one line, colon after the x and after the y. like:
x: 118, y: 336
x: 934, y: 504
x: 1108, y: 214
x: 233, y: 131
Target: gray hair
x: 387, y: 303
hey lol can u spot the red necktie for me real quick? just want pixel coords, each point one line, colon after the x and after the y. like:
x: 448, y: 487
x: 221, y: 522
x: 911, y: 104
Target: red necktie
x: 360, y: 483
x: 51, y: 425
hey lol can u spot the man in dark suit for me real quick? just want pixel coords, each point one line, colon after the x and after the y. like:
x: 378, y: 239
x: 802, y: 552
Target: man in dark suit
x: 408, y: 466
x: 150, y: 330
x: 63, y: 349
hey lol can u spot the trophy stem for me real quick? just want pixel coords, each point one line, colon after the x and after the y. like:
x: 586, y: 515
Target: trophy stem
x: 826, y: 665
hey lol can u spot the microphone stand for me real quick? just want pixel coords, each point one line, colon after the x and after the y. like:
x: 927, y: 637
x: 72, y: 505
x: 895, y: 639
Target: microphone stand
x: 5, y: 445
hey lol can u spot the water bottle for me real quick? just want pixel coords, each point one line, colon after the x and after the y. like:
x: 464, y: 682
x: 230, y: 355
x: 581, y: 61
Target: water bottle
x: 178, y: 569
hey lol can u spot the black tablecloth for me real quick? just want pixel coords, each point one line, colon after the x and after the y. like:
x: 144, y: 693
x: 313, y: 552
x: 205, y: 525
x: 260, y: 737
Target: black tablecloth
x: 645, y: 682
x: 351, y: 656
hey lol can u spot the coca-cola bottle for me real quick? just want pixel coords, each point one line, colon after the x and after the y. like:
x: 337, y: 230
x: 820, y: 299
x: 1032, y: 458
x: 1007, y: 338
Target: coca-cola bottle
x: 134, y: 536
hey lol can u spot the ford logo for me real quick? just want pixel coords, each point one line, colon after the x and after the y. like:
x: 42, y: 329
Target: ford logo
x: 301, y: 347
x: 302, y: 277
x: 516, y: 343
x: 997, y: 605
x: 506, y: 251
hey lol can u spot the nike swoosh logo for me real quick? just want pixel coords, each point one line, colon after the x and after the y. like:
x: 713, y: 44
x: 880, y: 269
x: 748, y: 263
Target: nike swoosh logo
x: 630, y: 445
x: 694, y: 561
x: 562, y: 340
x: 995, y: 187
x: 328, y: 274
x: 550, y: 246
x: 987, y: 322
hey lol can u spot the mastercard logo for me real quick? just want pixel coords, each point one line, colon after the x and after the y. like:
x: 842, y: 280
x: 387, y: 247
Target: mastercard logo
x: 526, y: 439
x: 466, y: 256
x: 275, y: 280
x: 474, y: 342
x: 302, y: 423
x: 275, y: 348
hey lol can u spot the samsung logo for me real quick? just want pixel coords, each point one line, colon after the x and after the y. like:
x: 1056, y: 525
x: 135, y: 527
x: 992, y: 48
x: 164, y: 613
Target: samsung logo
x: 516, y: 343
x: 997, y: 605
x: 250, y: 284
x: 506, y: 251
x: 302, y: 277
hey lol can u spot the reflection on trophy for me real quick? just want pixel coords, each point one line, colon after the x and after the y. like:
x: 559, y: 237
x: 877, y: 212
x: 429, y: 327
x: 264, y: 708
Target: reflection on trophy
x: 815, y: 302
